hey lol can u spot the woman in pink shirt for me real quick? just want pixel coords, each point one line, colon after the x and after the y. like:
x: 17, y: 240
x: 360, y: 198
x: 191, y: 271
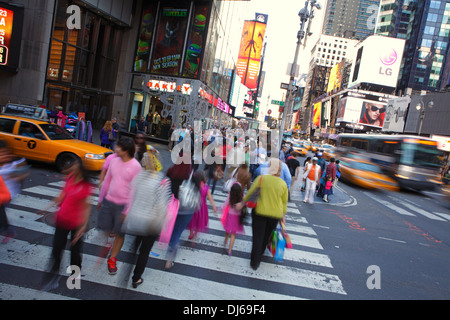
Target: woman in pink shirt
x: 115, y: 195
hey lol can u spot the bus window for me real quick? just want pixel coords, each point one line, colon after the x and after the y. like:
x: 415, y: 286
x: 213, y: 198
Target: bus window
x: 420, y: 155
x: 360, y: 144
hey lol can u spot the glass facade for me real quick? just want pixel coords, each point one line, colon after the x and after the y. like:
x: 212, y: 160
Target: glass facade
x: 427, y: 45
x: 82, y: 65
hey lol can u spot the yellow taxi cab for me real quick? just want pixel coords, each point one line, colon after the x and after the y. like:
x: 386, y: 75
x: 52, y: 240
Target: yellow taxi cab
x: 328, y: 152
x: 307, y: 145
x: 367, y: 175
x: 37, y: 139
x: 299, y: 148
x: 314, y: 147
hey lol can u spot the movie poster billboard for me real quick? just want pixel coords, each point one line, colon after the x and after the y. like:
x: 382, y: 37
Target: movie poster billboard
x: 250, y: 51
x: 169, y: 41
x: 197, y: 34
x: 145, y: 38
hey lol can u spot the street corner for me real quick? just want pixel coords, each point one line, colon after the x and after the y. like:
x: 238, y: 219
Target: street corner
x: 340, y: 197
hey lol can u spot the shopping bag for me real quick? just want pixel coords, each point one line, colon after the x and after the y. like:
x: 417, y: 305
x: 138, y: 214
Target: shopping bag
x: 171, y: 216
x: 272, y: 246
x: 286, y: 236
x: 280, y: 246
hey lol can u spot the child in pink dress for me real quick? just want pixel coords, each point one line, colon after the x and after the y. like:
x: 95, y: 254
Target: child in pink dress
x: 199, y: 221
x: 232, y: 219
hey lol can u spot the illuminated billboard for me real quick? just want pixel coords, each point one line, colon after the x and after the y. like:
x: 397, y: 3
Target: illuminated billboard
x: 11, y: 21
x: 367, y: 110
x: 396, y: 114
x: 250, y: 51
x: 317, y: 114
x: 378, y: 62
x: 169, y: 41
x: 335, y: 81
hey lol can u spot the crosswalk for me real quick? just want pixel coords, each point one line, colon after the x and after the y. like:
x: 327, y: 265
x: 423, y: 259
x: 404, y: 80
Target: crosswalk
x: 202, y: 271
x: 406, y: 207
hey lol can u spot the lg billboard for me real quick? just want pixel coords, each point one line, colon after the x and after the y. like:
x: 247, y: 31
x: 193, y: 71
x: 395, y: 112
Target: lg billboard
x: 378, y: 62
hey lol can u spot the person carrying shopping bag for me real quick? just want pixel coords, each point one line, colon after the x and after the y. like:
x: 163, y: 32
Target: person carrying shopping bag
x: 271, y: 206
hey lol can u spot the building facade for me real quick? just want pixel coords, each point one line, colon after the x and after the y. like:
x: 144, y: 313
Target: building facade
x: 170, y: 62
x: 353, y: 19
x: 426, y: 65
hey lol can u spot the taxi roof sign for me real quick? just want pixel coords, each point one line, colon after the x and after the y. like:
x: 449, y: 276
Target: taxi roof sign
x: 25, y: 111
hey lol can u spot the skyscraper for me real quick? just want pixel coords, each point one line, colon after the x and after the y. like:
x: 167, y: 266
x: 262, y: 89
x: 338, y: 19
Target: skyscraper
x: 353, y: 19
x: 426, y: 63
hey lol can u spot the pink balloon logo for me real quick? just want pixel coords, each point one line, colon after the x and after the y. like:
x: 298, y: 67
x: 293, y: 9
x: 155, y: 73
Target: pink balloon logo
x: 389, y: 57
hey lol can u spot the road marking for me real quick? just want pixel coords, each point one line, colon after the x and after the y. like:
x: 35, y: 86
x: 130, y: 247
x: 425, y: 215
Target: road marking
x: 414, y: 207
x: 443, y: 215
x: 399, y: 241
x: 390, y: 205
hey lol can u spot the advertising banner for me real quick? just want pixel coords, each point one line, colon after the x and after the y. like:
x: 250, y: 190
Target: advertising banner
x: 250, y: 51
x: 396, y: 114
x: 317, y: 114
x: 145, y: 37
x: 378, y: 62
x: 169, y: 40
x: 368, y: 112
x: 197, y: 35
x: 335, y: 81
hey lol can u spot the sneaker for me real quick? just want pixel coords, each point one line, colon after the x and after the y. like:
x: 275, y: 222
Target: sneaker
x: 112, y: 268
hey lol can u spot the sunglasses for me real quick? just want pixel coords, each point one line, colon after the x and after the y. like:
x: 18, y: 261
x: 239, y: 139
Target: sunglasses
x: 375, y: 108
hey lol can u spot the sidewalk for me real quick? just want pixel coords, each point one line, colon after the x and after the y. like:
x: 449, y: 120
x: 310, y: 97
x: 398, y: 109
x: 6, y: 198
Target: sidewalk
x: 339, y: 197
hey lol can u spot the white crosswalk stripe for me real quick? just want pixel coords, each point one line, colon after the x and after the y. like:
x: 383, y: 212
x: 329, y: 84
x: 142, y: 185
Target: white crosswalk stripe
x: 201, y: 262
x: 401, y: 204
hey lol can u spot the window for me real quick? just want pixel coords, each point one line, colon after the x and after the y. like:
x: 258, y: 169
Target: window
x: 7, y: 125
x: 30, y: 130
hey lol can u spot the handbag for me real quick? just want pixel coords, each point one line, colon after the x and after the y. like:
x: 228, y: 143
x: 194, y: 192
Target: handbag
x: 189, y: 195
x: 251, y: 202
x: 111, y: 136
x: 233, y: 179
x: 147, y: 213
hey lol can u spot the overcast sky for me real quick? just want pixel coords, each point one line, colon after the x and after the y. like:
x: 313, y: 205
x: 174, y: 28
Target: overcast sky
x: 282, y: 27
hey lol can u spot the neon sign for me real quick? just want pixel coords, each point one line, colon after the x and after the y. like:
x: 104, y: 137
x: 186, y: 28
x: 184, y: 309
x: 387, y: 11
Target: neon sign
x: 11, y: 23
x: 6, y: 24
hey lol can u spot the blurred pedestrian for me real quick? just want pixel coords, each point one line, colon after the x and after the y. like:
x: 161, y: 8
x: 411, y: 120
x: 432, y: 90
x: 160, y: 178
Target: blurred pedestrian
x: 271, y: 207
x: 182, y: 220
x: 5, y: 197
x: 311, y: 178
x: 293, y: 165
x: 232, y: 218
x: 115, y: 196
x: 107, y: 135
x: 305, y: 163
x: 328, y: 190
x: 199, y: 221
x: 72, y: 217
x: 13, y: 171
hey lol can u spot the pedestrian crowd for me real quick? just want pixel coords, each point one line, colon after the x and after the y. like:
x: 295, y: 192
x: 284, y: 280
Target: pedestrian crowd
x: 134, y: 191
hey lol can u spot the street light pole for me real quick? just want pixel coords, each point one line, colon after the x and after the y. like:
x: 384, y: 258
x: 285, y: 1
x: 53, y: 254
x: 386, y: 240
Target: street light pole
x: 304, y: 15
